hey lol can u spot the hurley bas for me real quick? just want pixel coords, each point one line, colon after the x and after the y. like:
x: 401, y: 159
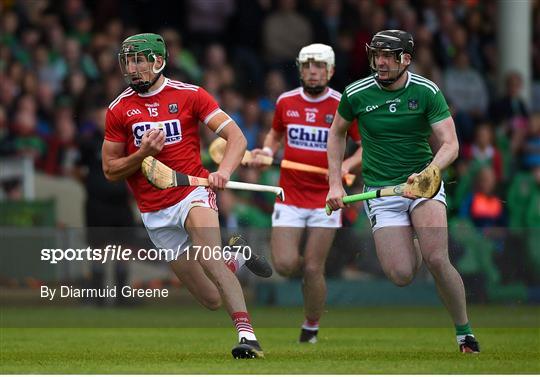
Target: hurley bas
x: 126, y: 291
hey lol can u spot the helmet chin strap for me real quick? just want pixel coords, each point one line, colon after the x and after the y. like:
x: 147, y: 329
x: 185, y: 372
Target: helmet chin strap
x: 145, y: 85
x: 389, y: 82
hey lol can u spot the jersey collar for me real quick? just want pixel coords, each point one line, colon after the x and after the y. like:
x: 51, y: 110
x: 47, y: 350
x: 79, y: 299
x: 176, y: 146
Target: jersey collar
x: 406, y: 84
x: 408, y: 79
x: 154, y: 92
x: 318, y: 99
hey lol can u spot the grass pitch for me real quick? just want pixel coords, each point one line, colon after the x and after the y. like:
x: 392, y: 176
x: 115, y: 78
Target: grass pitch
x: 352, y: 340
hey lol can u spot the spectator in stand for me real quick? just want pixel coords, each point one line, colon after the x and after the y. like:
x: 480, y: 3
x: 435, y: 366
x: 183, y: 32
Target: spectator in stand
x: 232, y: 103
x: 207, y: 20
x: 483, y: 150
x: 285, y: 32
x: 62, y: 148
x: 5, y: 145
x: 24, y: 138
x: 465, y: 87
x: 511, y: 105
x: 484, y: 207
x: 478, y: 36
x: 524, y: 210
x: 250, y: 122
x: 9, y: 23
x: 75, y: 89
x: 244, y: 38
x: 182, y: 62
x: 442, y: 41
x: 466, y: 92
x: 274, y: 86
x: 424, y: 65
x: 373, y: 19
x: 531, y: 146
x: 216, y: 61
x: 74, y: 59
x: 47, y: 70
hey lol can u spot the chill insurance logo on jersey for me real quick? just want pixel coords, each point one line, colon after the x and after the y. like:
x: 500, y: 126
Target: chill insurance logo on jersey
x: 307, y: 137
x: 172, y: 129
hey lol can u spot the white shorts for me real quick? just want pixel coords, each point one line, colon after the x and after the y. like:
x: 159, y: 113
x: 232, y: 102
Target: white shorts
x: 394, y: 210
x: 166, y: 226
x: 291, y: 216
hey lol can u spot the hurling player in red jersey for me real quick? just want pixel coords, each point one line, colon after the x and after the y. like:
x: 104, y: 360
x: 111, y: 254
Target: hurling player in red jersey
x: 157, y: 116
x: 302, y: 120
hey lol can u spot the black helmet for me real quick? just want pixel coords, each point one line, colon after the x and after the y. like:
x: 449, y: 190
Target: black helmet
x: 396, y: 41
x: 393, y: 40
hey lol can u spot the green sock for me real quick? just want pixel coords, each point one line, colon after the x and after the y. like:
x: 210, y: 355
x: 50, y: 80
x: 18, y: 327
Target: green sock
x: 463, y: 329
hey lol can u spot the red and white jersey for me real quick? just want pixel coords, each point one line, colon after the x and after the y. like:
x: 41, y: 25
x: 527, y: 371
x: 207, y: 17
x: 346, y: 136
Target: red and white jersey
x: 305, y: 121
x: 177, y: 109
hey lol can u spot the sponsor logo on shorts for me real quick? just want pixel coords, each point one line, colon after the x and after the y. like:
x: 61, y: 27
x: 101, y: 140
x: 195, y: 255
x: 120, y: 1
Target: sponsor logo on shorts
x: 172, y: 129
x: 198, y: 201
x: 307, y: 137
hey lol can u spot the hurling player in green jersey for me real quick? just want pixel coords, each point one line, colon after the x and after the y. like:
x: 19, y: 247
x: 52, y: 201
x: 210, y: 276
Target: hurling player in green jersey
x: 397, y: 112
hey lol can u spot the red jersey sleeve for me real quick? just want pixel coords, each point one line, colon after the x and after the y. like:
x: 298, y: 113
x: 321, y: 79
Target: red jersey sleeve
x: 113, y: 128
x: 353, y: 131
x: 277, y: 122
x: 205, y: 105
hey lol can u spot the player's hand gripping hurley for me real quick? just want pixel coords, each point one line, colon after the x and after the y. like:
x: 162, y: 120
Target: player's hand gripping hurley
x: 425, y: 185
x: 217, y: 149
x: 163, y: 177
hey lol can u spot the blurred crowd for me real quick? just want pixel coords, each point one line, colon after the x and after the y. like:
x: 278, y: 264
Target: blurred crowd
x: 59, y: 71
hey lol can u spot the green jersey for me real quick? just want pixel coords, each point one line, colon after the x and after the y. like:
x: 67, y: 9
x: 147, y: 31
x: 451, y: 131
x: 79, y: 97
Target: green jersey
x: 395, y: 126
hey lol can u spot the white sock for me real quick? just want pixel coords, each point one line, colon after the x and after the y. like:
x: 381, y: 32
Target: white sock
x: 246, y: 334
x: 238, y: 259
x: 310, y: 325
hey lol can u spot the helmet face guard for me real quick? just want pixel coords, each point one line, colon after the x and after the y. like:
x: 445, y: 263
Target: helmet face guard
x: 316, y: 54
x: 141, y: 51
x: 396, y: 42
x: 398, y: 55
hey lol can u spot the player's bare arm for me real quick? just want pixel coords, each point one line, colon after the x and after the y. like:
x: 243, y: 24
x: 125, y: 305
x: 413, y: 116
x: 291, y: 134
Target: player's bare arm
x: 118, y: 166
x: 445, y: 139
x: 336, y: 149
x: 353, y: 162
x: 271, y: 144
x: 445, y: 134
x: 234, y: 151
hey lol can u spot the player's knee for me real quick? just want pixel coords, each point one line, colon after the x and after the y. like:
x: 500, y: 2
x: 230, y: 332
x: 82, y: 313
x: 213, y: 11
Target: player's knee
x: 285, y: 268
x: 401, y: 277
x: 212, y: 302
x: 313, y: 270
x: 437, y: 262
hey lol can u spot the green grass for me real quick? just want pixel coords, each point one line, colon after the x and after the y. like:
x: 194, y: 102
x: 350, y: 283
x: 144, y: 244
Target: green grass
x: 510, y: 341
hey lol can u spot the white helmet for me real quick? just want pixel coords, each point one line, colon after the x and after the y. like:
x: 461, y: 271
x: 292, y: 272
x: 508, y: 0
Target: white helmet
x: 318, y: 52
